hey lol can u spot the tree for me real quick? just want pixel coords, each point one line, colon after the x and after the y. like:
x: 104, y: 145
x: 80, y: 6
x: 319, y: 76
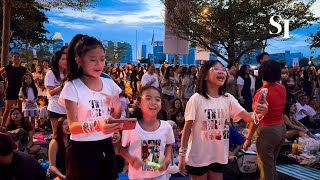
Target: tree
x: 314, y: 40
x: 41, y: 4
x: 26, y: 30
x: 235, y: 26
x: 114, y: 53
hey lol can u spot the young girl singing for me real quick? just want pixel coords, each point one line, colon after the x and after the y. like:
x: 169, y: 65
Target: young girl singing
x: 148, y: 148
x: 90, y: 154
x: 205, y: 137
x: 28, y: 95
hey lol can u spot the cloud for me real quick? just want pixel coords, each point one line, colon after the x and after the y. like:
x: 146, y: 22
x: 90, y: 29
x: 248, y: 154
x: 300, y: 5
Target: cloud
x: 152, y: 13
x: 69, y: 25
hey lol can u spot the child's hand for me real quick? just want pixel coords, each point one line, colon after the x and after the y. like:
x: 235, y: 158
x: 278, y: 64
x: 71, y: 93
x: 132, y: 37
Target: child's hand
x: 247, y: 144
x: 108, y: 128
x: 136, y: 163
x: 182, y: 166
x: 164, y: 165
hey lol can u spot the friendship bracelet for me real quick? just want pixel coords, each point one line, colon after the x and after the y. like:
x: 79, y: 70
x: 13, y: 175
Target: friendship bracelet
x: 90, y: 127
x: 256, y: 119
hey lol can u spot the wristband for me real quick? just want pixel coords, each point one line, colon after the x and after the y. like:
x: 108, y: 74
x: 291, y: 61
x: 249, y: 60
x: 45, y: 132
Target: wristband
x: 90, y: 127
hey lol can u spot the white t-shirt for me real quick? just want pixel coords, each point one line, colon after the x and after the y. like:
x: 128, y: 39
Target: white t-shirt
x: 53, y: 105
x: 209, y: 138
x: 149, y: 146
x: 146, y: 78
x: 299, y: 114
x: 169, y: 88
x: 91, y: 104
x: 30, y: 96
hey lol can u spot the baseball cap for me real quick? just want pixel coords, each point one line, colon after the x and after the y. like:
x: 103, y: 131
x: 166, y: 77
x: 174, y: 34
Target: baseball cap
x: 7, y: 144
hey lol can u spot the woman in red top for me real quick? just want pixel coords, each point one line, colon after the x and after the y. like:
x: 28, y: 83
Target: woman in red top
x: 271, y: 131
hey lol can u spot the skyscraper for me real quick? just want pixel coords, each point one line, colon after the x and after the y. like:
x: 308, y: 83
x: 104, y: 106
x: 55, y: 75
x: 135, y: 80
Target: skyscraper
x: 57, y: 41
x: 158, y: 55
x: 142, y: 51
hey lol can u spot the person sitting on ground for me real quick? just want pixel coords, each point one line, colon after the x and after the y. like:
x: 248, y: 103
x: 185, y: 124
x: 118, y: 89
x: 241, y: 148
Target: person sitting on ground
x: 57, y: 149
x: 175, y: 107
x: 122, y: 165
x: 303, y: 113
x: 295, y: 128
x: 17, y: 121
x: 15, y: 164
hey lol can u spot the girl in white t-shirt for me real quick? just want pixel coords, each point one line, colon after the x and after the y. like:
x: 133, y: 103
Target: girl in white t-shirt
x: 90, y: 102
x: 53, y: 82
x: 28, y: 95
x: 205, y: 137
x: 148, y: 148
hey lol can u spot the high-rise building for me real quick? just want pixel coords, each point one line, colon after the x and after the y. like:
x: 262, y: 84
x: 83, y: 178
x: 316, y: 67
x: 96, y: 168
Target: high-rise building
x: 158, y: 55
x: 286, y: 56
x: 142, y: 51
x: 150, y: 57
x: 57, y: 41
x: 192, y: 56
x: 127, y: 54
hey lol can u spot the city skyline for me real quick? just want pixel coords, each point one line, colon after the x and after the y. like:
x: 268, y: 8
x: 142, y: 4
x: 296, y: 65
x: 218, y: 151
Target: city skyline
x: 120, y: 20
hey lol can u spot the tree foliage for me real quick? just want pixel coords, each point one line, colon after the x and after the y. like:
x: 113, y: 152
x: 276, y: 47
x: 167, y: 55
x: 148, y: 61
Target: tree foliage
x: 75, y: 4
x: 27, y: 23
x: 114, y: 53
x: 236, y: 26
x: 314, y: 40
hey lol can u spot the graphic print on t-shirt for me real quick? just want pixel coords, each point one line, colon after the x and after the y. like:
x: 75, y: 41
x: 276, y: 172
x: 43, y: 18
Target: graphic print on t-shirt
x: 97, y: 110
x: 150, y: 152
x: 215, y: 126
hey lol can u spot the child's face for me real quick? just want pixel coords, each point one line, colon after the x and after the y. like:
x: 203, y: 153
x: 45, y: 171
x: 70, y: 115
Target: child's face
x: 16, y: 116
x: 63, y: 62
x: 65, y: 127
x: 150, y: 103
x: 116, y: 137
x: 177, y: 104
x: 28, y: 80
x: 92, y: 62
x: 217, y: 75
x: 293, y: 109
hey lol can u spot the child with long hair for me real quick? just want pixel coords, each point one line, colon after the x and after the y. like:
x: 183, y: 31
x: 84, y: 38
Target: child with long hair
x: 57, y: 149
x: 53, y: 81
x: 148, y: 148
x: 206, y: 127
x: 28, y: 95
x: 90, y: 101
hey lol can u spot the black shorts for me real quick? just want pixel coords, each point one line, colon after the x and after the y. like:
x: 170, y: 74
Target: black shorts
x: 55, y: 115
x: 91, y: 160
x: 199, y: 171
x: 12, y: 94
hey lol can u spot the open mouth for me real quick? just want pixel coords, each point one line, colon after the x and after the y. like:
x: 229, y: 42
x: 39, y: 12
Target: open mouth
x: 152, y: 108
x: 221, y: 78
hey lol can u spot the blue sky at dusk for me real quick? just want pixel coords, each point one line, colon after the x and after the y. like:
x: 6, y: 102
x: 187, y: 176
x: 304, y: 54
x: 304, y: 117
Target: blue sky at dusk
x: 118, y: 20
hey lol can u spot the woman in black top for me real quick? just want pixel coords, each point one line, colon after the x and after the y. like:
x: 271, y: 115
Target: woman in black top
x: 14, y: 74
x: 57, y: 149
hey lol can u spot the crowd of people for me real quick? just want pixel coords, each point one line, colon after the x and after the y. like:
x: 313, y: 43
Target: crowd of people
x: 189, y: 118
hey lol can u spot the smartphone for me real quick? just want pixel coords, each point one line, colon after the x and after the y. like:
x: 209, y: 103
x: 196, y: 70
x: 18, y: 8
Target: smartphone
x: 126, y: 123
x: 262, y: 95
x: 255, y: 72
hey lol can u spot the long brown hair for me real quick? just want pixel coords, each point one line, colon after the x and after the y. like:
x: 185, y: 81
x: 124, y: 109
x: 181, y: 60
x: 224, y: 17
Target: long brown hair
x: 32, y: 85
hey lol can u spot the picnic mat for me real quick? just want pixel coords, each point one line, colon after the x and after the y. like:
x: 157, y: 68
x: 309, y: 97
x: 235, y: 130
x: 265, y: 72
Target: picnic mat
x: 299, y: 172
